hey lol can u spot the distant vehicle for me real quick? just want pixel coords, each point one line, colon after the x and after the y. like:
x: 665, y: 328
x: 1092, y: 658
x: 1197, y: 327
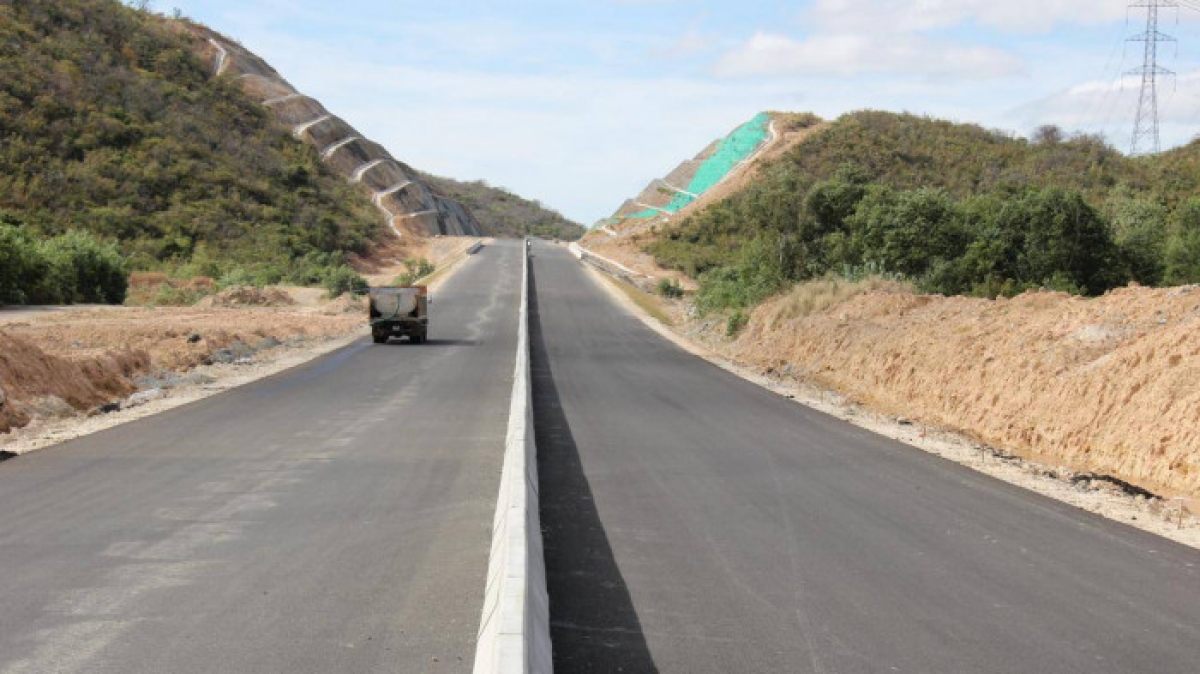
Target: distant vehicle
x: 399, y: 311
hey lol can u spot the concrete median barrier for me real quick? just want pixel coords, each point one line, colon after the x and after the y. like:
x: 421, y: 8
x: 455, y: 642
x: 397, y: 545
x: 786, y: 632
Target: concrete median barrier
x: 514, y: 632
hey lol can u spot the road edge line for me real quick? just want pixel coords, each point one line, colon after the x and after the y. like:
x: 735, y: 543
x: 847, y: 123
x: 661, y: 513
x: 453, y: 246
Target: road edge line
x: 514, y: 629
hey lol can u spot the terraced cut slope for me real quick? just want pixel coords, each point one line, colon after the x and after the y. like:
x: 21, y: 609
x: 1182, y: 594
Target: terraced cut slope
x: 691, y: 179
x: 409, y: 204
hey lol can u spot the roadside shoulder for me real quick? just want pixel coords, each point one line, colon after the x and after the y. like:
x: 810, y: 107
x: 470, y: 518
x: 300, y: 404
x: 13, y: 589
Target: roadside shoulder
x: 1152, y: 515
x: 201, y: 382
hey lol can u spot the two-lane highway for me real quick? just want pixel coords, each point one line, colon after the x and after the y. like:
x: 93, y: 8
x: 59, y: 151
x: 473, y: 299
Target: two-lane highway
x: 333, y: 518
x: 697, y: 523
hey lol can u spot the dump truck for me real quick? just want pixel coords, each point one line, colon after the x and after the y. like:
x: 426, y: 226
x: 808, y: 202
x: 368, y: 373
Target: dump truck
x: 399, y: 311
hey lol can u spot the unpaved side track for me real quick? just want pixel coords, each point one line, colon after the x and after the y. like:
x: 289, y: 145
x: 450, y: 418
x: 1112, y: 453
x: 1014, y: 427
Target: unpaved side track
x: 695, y: 522
x: 333, y: 518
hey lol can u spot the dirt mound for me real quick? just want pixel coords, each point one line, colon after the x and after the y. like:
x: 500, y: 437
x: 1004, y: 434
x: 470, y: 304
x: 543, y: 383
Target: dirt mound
x: 247, y: 296
x: 1105, y: 385
x: 90, y: 356
x: 345, y: 304
x: 33, y: 382
x: 146, y: 288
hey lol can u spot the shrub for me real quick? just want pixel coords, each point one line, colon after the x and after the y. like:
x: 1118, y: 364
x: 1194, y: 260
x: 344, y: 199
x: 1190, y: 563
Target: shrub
x: 1182, y: 263
x: 414, y: 270
x: 669, y: 287
x: 84, y: 269
x: 757, y: 276
x: 734, y: 324
x: 340, y: 280
x: 74, y: 267
x: 22, y: 266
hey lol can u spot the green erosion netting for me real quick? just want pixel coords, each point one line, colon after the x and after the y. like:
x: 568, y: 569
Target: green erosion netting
x: 731, y: 151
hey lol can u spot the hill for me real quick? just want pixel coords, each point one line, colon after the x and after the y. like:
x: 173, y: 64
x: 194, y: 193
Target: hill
x: 955, y: 208
x: 113, y: 127
x: 502, y: 213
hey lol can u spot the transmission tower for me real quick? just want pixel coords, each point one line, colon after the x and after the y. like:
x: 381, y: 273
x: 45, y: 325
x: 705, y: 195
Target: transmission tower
x: 1145, y: 129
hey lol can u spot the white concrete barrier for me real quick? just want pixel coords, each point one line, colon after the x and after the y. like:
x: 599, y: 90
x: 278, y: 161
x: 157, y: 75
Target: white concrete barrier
x: 611, y: 266
x: 514, y: 632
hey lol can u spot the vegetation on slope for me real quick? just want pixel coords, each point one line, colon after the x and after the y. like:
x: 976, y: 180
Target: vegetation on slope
x: 955, y: 208
x: 502, y: 213
x: 114, y: 128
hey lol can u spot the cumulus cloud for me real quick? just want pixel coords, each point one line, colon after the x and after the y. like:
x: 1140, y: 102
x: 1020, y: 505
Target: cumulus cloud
x: 849, y: 54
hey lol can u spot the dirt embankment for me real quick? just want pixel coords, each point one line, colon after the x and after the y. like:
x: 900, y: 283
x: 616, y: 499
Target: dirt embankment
x: 58, y: 364
x: 1107, y: 385
x: 34, y: 383
x: 62, y: 363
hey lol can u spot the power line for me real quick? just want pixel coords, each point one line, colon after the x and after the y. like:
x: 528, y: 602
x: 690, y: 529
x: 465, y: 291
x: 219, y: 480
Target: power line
x: 1145, y: 127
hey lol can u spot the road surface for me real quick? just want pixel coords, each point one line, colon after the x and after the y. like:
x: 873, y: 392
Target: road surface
x: 333, y: 518
x: 697, y: 523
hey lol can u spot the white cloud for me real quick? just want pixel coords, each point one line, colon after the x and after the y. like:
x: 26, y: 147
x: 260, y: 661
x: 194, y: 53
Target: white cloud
x: 1108, y: 108
x: 856, y: 54
x: 906, y: 16
x: 576, y: 142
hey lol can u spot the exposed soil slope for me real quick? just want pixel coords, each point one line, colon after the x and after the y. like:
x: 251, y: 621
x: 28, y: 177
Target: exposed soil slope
x: 63, y: 363
x: 1105, y: 385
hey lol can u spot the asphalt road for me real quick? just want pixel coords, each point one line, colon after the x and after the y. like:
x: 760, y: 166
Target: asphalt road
x: 697, y: 523
x: 333, y: 518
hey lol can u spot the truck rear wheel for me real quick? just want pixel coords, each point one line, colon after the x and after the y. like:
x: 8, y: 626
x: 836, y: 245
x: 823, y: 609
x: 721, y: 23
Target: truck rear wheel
x: 379, y: 339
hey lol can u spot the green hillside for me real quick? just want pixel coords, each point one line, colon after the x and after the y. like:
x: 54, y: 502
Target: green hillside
x: 112, y: 127
x: 502, y: 213
x: 955, y: 208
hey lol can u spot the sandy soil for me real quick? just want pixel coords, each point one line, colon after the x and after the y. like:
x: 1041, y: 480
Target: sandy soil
x: 1104, y: 385
x: 69, y: 371
x: 841, y: 348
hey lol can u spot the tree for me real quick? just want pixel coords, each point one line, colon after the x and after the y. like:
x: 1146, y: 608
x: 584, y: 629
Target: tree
x: 1182, y: 255
x: 1048, y: 134
x: 830, y: 203
x: 1140, y: 232
x: 1066, y: 238
x: 21, y: 265
x: 907, y: 232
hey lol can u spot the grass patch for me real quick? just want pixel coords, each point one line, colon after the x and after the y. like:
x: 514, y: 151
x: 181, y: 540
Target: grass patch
x: 647, y: 302
x: 811, y: 297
